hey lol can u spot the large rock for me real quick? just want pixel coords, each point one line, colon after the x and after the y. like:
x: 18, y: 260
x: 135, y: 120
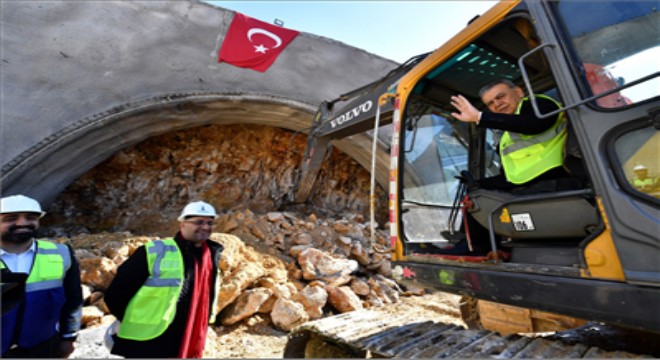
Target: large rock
x: 324, y: 237
x: 313, y: 299
x: 384, y: 289
x: 247, y: 304
x: 287, y: 314
x: 343, y: 299
x: 236, y: 282
x: 360, y: 286
x: 319, y: 265
x: 359, y: 253
x: 97, y: 272
x: 242, y: 266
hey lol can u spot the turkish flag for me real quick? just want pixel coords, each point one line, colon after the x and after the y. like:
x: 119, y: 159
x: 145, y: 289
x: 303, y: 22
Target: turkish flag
x: 254, y: 44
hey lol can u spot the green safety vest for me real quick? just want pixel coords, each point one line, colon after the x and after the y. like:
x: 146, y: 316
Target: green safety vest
x: 44, y: 297
x: 50, y: 264
x: 639, y: 183
x: 153, y: 307
x: 524, y: 157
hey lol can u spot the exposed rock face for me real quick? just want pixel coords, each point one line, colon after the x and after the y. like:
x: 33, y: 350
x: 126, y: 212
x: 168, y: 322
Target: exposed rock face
x: 234, y: 167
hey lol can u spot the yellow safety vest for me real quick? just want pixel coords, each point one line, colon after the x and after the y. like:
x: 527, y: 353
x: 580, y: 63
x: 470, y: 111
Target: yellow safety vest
x: 639, y: 183
x: 44, y: 297
x: 524, y: 157
x: 153, y: 307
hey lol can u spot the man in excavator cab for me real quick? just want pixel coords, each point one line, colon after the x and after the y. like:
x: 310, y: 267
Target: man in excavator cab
x: 531, y: 148
x: 642, y: 181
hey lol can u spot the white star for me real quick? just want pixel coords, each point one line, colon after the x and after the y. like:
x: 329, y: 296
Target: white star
x: 261, y: 48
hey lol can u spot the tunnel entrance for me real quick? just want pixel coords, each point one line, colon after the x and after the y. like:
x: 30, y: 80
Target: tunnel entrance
x: 235, y: 167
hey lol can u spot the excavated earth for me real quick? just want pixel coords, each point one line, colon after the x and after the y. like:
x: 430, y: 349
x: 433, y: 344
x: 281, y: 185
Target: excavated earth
x: 284, y: 264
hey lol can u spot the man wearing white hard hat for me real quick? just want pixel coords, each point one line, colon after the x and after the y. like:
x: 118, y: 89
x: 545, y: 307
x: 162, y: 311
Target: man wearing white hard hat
x: 642, y: 181
x: 45, y: 317
x: 165, y: 294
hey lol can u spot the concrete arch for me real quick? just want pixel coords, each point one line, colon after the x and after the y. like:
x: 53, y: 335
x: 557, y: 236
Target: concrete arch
x: 83, y: 80
x: 66, y: 155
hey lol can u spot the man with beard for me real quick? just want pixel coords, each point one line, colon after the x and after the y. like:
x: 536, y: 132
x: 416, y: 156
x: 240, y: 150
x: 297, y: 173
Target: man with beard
x: 165, y: 294
x: 44, y: 320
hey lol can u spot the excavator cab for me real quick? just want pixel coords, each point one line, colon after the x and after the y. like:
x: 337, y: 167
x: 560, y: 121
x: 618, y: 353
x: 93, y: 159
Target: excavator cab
x: 549, y: 213
x: 559, y: 230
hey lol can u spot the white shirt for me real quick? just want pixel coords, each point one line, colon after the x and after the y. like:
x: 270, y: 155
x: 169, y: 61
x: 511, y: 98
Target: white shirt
x: 21, y: 262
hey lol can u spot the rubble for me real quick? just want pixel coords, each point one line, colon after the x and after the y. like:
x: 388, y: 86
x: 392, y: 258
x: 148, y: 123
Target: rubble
x: 281, y: 260
x: 289, y: 269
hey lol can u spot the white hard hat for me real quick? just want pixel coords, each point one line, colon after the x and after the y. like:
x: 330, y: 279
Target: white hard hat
x: 198, y: 208
x: 640, y: 167
x: 20, y: 204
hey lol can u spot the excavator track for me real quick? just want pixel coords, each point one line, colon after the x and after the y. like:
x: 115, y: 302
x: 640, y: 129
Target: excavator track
x: 381, y: 332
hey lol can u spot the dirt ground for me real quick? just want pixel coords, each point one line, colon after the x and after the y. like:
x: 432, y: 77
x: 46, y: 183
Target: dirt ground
x: 257, y: 339
x: 261, y: 341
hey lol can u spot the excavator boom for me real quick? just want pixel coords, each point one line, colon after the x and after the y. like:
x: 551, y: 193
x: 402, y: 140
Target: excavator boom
x: 354, y: 117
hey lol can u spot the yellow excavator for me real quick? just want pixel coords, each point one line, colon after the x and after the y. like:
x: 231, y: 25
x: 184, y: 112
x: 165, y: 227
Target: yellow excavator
x: 547, y: 258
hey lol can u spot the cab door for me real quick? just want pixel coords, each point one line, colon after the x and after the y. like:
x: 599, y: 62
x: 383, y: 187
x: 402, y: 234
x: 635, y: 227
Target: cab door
x: 607, y: 68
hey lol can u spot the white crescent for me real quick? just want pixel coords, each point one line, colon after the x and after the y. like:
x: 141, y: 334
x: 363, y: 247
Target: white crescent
x: 275, y: 38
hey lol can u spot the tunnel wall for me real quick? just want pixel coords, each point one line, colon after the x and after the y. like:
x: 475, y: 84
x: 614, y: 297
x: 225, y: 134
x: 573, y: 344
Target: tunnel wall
x: 82, y: 80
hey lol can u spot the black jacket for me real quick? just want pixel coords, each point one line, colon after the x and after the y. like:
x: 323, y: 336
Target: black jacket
x: 525, y: 122
x: 130, y: 277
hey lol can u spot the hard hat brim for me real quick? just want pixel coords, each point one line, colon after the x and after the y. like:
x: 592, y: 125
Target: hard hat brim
x: 183, y: 217
x: 40, y: 213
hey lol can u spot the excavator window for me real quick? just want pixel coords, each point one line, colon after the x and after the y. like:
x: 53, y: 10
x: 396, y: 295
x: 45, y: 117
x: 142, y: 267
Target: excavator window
x: 616, y: 47
x: 637, y: 152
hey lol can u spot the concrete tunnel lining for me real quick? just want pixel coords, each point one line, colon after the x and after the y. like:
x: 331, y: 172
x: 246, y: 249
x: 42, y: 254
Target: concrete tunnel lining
x: 85, y: 57
x: 68, y: 154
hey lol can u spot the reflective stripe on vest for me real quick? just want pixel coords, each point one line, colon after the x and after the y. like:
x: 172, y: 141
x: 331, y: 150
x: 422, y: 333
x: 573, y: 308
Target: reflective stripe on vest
x: 44, y: 297
x: 524, y: 157
x: 153, y: 307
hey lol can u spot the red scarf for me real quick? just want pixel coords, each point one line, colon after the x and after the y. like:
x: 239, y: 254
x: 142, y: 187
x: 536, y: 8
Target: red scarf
x: 192, y: 344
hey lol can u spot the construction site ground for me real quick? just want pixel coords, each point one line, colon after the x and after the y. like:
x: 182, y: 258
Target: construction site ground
x: 262, y: 340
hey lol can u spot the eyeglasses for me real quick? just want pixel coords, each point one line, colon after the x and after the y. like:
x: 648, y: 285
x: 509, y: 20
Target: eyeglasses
x: 200, y: 222
x: 13, y: 217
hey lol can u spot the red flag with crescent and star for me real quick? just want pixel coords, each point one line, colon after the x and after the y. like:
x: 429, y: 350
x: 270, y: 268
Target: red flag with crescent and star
x: 254, y: 44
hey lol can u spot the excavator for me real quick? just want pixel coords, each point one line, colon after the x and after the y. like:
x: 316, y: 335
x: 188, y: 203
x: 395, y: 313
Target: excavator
x: 552, y: 257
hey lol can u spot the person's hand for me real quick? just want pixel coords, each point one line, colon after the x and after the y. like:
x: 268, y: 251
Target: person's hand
x: 466, y: 111
x: 66, y: 348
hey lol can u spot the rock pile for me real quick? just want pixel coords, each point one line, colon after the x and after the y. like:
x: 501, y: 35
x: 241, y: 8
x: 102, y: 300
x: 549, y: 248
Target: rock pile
x: 278, y: 266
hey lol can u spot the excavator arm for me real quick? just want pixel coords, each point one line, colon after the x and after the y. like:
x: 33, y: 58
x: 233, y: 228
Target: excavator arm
x: 356, y: 116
